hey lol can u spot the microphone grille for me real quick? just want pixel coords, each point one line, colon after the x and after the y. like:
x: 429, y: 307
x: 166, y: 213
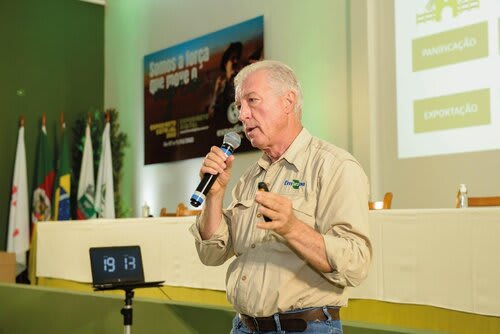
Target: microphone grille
x: 233, y: 139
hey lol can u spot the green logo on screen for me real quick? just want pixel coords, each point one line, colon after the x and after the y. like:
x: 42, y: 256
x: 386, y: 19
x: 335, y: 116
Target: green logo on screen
x: 436, y: 9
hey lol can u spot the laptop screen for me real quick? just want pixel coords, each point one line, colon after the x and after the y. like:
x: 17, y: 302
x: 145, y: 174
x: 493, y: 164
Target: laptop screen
x: 121, y: 264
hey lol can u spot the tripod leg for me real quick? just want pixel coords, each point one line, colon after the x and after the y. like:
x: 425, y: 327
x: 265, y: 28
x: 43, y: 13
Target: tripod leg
x: 127, y: 318
x: 127, y: 311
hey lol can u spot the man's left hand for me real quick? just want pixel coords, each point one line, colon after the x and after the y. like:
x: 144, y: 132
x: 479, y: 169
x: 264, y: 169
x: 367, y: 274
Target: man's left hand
x: 279, y: 209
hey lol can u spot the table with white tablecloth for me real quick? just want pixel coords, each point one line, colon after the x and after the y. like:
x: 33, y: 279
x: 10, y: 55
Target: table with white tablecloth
x: 167, y: 247
x: 440, y: 257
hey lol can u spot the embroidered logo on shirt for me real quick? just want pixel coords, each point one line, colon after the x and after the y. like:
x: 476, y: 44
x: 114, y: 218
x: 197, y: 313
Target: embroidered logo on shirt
x: 296, y: 184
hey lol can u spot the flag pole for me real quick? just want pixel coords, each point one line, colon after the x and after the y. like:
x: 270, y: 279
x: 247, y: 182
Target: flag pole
x: 62, y: 195
x: 42, y: 194
x: 62, y: 120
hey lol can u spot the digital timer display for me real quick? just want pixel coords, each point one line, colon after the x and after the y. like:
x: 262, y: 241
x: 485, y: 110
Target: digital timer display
x: 110, y: 265
x: 116, y: 264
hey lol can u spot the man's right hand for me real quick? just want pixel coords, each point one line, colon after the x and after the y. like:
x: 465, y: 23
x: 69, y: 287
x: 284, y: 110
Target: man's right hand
x: 214, y: 163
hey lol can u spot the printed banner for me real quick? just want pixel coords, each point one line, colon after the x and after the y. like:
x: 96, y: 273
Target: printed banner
x: 189, y: 92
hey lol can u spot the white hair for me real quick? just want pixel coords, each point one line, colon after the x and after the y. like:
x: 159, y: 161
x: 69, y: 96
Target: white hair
x: 281, y: 78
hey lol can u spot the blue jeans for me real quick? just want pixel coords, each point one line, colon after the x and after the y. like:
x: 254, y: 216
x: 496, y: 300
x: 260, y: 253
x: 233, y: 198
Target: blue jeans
x: 328, y: 326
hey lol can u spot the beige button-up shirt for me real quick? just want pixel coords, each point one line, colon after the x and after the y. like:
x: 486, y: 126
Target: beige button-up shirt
x: 329, y: 192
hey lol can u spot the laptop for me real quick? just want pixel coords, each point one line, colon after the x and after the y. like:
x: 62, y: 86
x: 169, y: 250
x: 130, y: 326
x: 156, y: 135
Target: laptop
x: 118, y: 267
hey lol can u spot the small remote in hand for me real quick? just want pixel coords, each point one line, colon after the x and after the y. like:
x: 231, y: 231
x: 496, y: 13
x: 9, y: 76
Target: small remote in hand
x: 262, y: 186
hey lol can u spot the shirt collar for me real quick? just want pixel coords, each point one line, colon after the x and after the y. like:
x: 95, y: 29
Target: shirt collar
x: 294, y: 154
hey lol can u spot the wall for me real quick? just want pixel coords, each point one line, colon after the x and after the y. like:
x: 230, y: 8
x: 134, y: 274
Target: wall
x: 53, y: 52
x: 310, y: 38
x: 429, y: 182
x: 342, y: 51
x: 48, y: 312
x: 28, y: 309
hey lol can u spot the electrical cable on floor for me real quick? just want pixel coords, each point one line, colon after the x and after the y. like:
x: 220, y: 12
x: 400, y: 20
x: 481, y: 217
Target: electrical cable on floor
x: 168, y: 297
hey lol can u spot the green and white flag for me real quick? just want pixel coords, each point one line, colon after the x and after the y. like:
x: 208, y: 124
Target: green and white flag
x: 104, y: 196
x: 86, y: 189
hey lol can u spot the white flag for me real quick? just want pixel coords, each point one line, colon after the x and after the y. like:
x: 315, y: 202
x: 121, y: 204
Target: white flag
x: 86, y: 189
x: 19, y: 218
x: 104, y: 195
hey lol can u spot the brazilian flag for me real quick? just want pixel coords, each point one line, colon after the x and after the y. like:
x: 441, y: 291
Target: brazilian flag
x: 62, y: 205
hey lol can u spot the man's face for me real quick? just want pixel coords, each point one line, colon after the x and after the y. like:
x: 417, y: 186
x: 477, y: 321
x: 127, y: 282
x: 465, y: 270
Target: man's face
x: 262, y: 112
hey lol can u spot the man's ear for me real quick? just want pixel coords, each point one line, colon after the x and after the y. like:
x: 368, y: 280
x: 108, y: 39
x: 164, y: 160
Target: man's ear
x: 289, y: 100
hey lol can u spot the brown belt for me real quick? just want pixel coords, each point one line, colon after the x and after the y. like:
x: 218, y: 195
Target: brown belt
x: 295, y: 322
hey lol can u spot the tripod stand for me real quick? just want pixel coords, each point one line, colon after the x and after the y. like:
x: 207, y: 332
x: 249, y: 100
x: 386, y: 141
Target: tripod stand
x: 119, y: 268
x: 126, y: 311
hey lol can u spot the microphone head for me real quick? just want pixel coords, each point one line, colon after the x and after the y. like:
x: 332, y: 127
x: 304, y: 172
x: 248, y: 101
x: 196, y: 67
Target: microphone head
x: 233, y: 139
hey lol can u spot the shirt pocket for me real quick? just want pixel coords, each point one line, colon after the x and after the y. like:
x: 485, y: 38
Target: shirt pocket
x: 240, y: 207
x: 304, y: 209
x: 242, y: 223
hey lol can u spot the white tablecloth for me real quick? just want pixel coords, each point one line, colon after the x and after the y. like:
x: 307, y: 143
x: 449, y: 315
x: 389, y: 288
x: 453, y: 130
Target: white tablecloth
x: 441, y: 257
x: 167, y: 248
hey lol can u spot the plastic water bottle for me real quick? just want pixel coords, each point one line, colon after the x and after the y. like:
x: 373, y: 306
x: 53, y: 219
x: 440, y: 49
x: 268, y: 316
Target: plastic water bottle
x: 145, y: 210
x: 463, y: 197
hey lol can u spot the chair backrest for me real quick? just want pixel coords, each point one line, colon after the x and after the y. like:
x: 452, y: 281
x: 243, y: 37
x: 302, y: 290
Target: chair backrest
x: 379, y: 205
x: 182, y: 210
x: 164, y: 213
x: 480, y: 201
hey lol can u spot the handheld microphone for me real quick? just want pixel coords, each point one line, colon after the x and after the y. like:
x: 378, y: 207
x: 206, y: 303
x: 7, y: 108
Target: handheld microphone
x: 231, y: 142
